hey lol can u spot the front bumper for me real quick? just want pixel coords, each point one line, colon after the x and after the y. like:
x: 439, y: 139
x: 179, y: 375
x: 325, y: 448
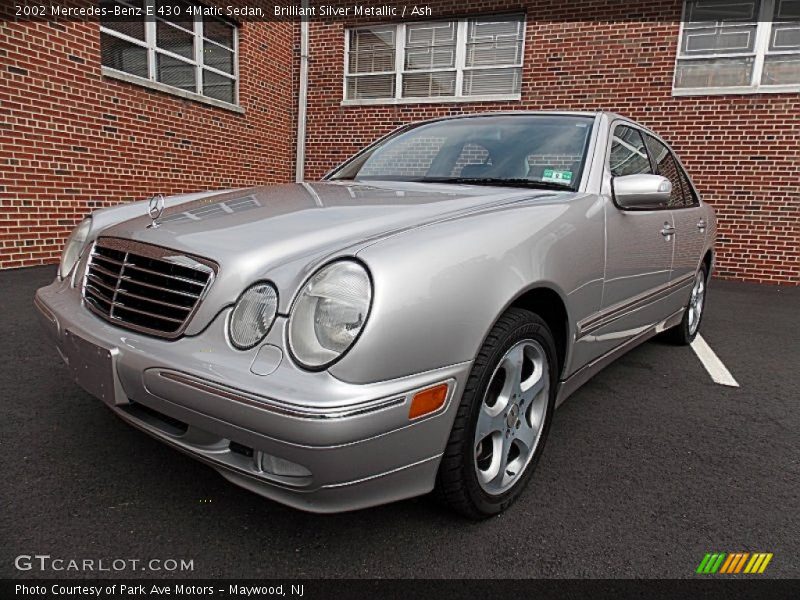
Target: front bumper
x: 305, y: 439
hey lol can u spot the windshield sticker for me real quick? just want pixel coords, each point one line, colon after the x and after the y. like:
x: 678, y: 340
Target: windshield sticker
x: 554, y: 176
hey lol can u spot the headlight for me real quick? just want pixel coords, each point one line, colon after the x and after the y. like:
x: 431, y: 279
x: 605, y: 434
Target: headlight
x: 329, y: 313
x: 253, y: 315
x: 73, y: 247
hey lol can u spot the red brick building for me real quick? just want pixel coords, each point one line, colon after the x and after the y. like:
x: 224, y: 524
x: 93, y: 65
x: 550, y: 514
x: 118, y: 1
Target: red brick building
x: 80, y: 131
x: 78, y: 135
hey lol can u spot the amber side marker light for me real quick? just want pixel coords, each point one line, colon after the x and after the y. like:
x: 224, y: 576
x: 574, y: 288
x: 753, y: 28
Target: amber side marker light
x: 427, y: 401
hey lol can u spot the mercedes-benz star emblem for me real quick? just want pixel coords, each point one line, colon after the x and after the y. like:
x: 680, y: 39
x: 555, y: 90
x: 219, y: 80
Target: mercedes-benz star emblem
x: 154, y: 208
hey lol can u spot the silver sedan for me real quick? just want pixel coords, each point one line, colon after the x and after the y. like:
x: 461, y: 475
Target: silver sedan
x: 405, y: 325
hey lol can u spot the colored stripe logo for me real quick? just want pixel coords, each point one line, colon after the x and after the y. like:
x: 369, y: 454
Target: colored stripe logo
x: 734, y: 562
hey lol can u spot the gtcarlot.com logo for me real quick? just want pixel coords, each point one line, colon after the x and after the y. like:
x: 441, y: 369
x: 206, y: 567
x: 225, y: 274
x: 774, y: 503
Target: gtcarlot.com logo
x: 46, y: 562
x: 733, y: 563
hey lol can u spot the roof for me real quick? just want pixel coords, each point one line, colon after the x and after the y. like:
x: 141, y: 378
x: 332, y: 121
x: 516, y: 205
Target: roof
x: 500, y: 113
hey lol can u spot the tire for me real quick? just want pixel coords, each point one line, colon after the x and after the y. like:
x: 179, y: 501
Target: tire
x: 684, y: 333
x: 470, y: 480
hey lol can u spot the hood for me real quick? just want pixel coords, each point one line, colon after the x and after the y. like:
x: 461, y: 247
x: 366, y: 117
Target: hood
x: 285, y: 221
x: 249, y: 233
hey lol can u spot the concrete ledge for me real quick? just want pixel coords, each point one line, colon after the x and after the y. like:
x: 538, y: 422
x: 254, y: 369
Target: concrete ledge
x: 168, y: 89
x: 432, y: 100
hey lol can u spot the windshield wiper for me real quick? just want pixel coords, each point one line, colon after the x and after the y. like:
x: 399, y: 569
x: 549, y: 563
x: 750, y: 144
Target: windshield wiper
x: 498, y: 182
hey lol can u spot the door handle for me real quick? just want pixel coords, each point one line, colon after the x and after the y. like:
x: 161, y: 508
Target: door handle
x: 667, y: 230
x: 701, y: 225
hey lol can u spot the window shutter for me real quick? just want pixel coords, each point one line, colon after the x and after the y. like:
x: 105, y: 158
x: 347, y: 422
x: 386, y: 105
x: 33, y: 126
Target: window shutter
x: 370, y: 86
x: 491, y: 81
x: 371, y: 50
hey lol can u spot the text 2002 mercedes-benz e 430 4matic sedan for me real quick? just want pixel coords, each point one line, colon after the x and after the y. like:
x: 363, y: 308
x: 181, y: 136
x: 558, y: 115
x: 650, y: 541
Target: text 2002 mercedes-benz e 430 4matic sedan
x: 407, y: 324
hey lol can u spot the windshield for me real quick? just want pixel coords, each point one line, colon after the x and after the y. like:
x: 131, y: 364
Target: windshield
x: 545, y: 151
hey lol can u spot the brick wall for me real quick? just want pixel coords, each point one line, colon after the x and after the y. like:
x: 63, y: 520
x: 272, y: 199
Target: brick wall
x: 743, y: 151
x: 72, y: 140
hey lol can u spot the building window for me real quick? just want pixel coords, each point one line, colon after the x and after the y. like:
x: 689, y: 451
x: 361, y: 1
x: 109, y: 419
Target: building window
x: 178, y: 47
x: 468, y: 59
x: 739, y: 46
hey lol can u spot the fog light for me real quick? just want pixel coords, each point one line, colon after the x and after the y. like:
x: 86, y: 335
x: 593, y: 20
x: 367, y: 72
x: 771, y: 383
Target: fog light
x: 281, y: 467
x: 428, y: 401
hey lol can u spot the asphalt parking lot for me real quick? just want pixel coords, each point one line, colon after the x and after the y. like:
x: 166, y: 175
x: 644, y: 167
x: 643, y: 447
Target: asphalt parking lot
x: 647, y: 468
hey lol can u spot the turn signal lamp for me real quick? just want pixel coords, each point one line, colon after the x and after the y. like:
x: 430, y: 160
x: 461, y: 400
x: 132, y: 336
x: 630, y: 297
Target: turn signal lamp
x: 427, y: 401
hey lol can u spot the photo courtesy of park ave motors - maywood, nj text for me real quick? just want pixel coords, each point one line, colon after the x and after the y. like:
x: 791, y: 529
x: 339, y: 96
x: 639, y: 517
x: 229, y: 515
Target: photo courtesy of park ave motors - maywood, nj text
x: 399, y: 291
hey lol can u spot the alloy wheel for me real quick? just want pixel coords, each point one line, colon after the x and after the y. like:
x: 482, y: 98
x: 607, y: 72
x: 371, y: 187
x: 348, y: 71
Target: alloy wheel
x: 511, y: 417
x: 696, y: 302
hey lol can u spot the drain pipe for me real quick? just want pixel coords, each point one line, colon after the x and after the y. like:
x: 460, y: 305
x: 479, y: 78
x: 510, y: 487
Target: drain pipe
x: 302, y: 96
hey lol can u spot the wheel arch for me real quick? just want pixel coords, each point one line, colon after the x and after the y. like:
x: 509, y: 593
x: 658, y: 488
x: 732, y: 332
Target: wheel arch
x: 550, y: 306
x: 708, y: 261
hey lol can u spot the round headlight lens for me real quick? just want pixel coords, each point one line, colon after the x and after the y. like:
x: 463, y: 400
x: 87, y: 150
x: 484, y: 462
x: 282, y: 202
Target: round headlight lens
x: 329, y: 313
x: 253, y: 315
x: 74, y: 247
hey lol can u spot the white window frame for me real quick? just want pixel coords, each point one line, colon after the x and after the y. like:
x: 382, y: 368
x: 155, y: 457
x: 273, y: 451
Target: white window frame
x: 460, y: 67
x: 759, y: 53
x: 149, y: 43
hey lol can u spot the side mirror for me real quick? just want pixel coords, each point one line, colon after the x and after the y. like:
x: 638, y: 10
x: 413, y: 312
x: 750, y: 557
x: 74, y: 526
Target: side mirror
x: 641, y: 191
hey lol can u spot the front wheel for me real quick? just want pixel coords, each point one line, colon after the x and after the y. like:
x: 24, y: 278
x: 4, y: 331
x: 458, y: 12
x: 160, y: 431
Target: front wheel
x: 503, y: 418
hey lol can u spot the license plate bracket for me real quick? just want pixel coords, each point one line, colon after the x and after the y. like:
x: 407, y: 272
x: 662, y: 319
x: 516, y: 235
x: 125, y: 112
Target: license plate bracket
x: 92, y: 366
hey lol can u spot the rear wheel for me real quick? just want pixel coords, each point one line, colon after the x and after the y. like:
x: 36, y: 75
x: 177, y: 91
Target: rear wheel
x: 685, y: 332
x: 503, y: 418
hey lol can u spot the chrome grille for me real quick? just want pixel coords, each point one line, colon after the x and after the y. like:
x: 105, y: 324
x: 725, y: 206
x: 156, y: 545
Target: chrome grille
x: 145, y: 288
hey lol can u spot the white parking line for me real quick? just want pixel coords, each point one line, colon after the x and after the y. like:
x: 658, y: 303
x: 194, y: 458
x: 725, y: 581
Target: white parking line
x: 719, y: 373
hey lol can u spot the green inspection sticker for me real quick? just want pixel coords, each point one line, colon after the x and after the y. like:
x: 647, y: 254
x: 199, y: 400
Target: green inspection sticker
x: 555, y: 176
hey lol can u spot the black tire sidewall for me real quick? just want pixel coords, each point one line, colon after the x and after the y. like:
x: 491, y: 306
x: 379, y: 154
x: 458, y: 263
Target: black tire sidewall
x: 530, y: 328
x: 686, y: 335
